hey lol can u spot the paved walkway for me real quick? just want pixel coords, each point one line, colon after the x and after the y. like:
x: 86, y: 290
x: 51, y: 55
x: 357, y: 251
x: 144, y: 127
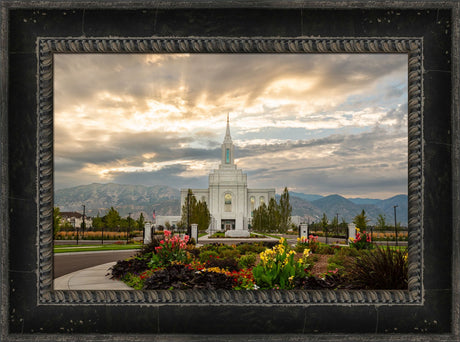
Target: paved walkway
x: 93, y: 278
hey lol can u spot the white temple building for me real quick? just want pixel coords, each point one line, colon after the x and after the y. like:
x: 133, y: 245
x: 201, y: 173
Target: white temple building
x: 228, y: 198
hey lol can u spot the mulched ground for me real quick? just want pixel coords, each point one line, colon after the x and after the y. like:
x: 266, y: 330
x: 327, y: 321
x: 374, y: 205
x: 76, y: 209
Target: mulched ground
x: 320, y: 266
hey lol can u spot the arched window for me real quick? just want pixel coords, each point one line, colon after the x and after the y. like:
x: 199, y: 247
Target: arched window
x: 253, y: 203
x: 261, y: 200
x: 228, y: 202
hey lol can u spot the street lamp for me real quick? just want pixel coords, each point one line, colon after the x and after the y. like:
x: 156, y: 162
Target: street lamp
x: 337, y: 223
x: 83, y: 228
x: 128, y: 228
x: 73, y: 223
x: 189, y: 233
x: 396, y: 228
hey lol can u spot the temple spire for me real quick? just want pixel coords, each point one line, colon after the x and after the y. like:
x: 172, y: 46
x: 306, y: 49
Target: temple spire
x: 227, y: 147
x: 228, y: 137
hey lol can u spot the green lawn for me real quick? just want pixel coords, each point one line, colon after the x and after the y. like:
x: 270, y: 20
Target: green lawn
x: 92, y: 248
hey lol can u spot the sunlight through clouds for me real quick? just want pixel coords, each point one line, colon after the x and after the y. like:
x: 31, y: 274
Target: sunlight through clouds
x: 307, y: 121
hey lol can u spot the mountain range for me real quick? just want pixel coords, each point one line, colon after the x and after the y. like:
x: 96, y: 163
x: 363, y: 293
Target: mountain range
x: 137, y: 199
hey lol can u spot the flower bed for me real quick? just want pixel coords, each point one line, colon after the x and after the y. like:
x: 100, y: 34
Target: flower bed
x: 173, y: 263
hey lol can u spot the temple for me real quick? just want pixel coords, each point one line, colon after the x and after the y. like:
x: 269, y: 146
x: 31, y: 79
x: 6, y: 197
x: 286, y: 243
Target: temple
x: 228, y: 198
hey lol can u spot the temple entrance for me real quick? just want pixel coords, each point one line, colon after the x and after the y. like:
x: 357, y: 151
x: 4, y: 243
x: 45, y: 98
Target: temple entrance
x: 228, y: 224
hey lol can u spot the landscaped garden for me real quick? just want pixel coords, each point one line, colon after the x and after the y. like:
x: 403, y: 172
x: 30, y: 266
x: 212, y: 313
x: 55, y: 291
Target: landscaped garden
x: 174, y: 263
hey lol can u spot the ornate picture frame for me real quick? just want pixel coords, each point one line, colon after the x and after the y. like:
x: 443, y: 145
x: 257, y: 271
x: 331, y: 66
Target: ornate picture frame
x: 429, y: 304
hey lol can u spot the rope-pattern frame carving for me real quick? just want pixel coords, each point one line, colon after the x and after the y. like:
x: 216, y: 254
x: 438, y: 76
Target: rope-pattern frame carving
x: 47, y: 47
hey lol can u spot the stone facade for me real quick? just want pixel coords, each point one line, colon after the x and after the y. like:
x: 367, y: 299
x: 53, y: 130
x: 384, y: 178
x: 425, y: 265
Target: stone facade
x: 229, y: 200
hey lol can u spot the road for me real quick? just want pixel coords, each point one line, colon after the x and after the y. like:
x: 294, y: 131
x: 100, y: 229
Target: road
x: 70, y: 262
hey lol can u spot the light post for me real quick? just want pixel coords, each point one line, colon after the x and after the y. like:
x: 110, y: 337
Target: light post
x: 396, y: 228
x: 128, y: 228
x: 189, y: 233
x: 83, y: 228
x: 74, y: 228
x: 337, y: 223
x: 102, y: 228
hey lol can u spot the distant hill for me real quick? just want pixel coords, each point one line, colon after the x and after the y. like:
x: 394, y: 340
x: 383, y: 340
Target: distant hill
x: 125, y: 198
x: 134, y: 199
x: 364, y: 200
x: 306, y: 197
x: 347, y: 209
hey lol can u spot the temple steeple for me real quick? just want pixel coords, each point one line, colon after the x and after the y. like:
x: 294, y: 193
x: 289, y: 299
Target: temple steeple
x: 228, y: 137
x: 227, y: 147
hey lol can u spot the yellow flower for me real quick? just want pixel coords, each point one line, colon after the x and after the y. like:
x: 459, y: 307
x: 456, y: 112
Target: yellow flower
x: 306, y: 252
x: 357, y: 229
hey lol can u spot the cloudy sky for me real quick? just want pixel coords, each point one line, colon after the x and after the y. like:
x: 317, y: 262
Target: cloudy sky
x: 316, y: 123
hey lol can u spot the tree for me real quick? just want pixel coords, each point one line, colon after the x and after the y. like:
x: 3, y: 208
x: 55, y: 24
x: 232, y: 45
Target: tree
x: 361, y: 220
x: 112, y: 219
x: 285, y: 210
x: 202, y: 215
x: 260, y: 218
x: 56, y: 221
x: 324, y: 222
x: 273, y: 216
x: 141, y: 222
x: 324, y: 225
x: 98, y: 224
x: 199, y: 212
x: 335, y: 224
x: 381, y: 222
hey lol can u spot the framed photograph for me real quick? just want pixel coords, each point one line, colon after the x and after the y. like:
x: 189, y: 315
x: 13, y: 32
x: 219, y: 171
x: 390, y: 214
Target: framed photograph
x: 357, y: 99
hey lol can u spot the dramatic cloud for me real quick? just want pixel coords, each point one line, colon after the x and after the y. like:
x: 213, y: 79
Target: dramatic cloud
x: 317, y: 123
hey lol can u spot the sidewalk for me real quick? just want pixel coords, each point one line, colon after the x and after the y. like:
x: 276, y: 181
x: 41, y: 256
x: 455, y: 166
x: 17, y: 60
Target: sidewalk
x: 93, y: 278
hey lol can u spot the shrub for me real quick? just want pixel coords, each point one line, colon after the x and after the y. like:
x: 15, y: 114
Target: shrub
x: 347, y: 251
x: 206, y: 255
x: 230, y: 253
x: 325, y: 249
x: 382, y: 268
x: 229, y: 264
x: 246, y: 248
x: 247, y: 260
x: 123, y: 267
x: 183, y: 277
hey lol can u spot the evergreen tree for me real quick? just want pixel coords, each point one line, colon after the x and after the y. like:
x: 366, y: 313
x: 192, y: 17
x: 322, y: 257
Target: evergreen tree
x: 335, y: 224
x: 199, y: 212
x: 285, y: 210
x: 361, y: 220
x: 112, y: 219
x: 203, y: 216
x: 324, y: 223
x: 185, y: 217
x: 273, y: 216
x: 260, y: 218
x: 141, y: 222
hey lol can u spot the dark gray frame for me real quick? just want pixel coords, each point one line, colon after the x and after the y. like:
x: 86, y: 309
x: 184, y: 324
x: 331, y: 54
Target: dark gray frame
x: 430, y: 306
